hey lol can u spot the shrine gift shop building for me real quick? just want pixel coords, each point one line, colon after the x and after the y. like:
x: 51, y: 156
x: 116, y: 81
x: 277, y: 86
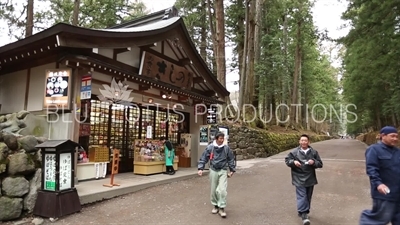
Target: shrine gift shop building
x: 106, y: 88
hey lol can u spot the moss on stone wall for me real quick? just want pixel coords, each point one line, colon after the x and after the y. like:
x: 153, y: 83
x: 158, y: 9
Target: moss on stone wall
x: 254, y: 143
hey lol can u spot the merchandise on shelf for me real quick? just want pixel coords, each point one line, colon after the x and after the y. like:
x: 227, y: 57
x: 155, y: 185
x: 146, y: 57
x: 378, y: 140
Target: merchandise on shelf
x: 148, y: 150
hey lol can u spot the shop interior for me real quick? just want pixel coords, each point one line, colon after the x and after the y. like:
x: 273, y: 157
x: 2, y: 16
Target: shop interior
x: 105, y: 126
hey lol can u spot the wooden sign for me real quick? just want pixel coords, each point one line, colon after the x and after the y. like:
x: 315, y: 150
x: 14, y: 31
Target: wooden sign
x: 167, y: 72
x: 114, y: 168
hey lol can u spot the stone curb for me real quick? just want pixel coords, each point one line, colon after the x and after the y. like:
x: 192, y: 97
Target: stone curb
x: 116, y: 192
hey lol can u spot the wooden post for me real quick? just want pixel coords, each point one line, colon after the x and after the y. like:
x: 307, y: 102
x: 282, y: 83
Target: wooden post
x: 114, y: 168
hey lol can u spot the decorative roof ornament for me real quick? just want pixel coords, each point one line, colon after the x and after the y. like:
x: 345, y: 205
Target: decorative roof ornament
x: 116, y: 93
x: 170, y: 12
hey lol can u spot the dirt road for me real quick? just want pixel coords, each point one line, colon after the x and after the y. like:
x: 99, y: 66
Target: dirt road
x: 260, y: 194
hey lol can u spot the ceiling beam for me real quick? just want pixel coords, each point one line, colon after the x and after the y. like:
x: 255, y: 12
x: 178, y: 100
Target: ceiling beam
x: 149, y: 45
x: 197, y: 80
x: 185, y: 61
x: 121, y: 50
x: 158, y: 54
x: 144, y: 87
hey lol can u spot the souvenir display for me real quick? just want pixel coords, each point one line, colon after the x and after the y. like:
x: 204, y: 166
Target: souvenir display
x: 148, y: 150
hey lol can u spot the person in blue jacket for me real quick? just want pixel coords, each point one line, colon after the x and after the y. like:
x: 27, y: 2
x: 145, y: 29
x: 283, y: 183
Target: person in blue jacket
x: 383, y: 169
x: 221, y: 159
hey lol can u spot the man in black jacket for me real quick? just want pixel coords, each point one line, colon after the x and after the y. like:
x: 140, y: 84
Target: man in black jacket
x: 303, y: 161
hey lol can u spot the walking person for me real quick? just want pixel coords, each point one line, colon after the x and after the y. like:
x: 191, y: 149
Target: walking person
x: 383, y: 168
x: 169, y: 153
x: 303, y: 161
x: 221, y: 158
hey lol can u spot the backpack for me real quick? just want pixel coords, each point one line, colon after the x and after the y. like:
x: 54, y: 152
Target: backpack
x: 212, y: 154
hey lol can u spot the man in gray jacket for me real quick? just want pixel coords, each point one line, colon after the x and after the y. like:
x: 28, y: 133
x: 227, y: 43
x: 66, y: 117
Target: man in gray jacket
x: 221, y: 158
x: 303, y: 161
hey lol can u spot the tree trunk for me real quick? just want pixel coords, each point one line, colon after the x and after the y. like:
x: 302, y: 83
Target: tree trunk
x: 29, y: 19
x: 242, y: 83
x: 257, y: 49
x: 75, y: 15
x: 211, y: 20
x: 220, y: 35
x: 203, y: 31
x: 284, y: 78
x: 296, y: 72
x: 249, y: 88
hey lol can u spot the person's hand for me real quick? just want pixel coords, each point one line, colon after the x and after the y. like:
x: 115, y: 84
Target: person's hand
x: 297, y: 163
x: 311, y: 162
x: 382, y: 189
x: 200, y: 172
x: 230, y: 174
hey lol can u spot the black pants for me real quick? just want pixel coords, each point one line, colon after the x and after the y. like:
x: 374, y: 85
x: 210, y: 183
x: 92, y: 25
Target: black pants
x: 170, y: 169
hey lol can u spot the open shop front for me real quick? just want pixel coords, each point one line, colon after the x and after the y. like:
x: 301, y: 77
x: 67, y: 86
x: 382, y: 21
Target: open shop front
x: 134, y: 130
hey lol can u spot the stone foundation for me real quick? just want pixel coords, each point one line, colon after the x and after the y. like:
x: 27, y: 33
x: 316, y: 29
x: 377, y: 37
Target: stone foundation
x: 20, y: 166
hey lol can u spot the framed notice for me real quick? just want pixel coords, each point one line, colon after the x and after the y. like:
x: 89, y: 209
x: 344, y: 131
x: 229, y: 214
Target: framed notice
x: 57, y: 89
x: 86, y: 87
x: 203, y: 135
x: 50, y: 172
x: 65, y: 171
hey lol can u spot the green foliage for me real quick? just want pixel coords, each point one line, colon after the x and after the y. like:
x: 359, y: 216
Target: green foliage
x: 93, y: 13
x: 372, y: 78
x: 96, y: 13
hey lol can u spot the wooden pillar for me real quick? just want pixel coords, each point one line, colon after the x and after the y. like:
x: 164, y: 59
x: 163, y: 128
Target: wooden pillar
x: 75, y: 111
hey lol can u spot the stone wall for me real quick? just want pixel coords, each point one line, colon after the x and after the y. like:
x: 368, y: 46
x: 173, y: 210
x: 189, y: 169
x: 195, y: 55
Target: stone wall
x: 20, y: 163
x: 251, y: 143
x: 369, y: 138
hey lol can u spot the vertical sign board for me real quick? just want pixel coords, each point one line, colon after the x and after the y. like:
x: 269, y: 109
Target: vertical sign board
x: 57, y: 89
x: 65, y: 172
x: 50, y: 170
x: 203, y: 135
x: 114, y: 168
x: 212, y: 115
x: 86, y: 87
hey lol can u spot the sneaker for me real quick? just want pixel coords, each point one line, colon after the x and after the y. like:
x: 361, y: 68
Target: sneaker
x: 305, y: 218
x: 215, y: 210
x: 222, y: 213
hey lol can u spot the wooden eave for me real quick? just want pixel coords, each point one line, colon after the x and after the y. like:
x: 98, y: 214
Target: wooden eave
x: 66, y: 35
x: 92, y: 60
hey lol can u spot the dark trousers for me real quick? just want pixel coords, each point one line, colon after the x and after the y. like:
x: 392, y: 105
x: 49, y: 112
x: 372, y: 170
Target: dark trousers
x: 303, y: 196
x: 382, y: 213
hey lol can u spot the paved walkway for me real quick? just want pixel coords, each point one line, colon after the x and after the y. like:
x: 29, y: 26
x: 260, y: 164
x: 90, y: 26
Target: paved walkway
x: 259, y: 193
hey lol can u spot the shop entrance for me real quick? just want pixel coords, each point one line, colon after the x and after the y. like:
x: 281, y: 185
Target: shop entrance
x: 124, y: 129
x: 118, y: 126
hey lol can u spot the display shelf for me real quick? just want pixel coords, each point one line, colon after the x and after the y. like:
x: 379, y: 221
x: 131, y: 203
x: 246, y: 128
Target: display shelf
x: 160, y: 125
x: 133, y: 124
x: 149, y: 168
x: 147, y: 120
x: 98, y: 123
x: 173, y: 127
x: 99, y: 154
x: 149, y: 157
x: 87, y: 171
